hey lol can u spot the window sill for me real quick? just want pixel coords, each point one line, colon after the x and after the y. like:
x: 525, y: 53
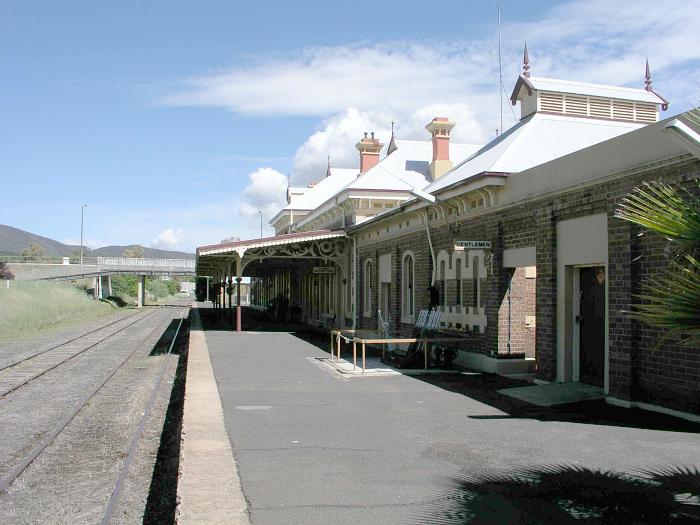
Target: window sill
x: 407, y: 319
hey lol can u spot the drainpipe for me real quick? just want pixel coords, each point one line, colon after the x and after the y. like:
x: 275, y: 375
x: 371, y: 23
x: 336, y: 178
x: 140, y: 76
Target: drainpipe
x: 353, y: 283
x: 510, y: 282
x: 430, y: 243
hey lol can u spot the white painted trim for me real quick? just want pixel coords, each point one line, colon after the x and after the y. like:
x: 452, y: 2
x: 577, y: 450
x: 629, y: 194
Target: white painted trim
x: 615, y: 401
x: 574, y: 249
x: 367, y: 287
x: 519, y: 257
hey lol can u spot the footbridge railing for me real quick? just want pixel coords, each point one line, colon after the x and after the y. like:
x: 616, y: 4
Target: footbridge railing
x: 53, y: 268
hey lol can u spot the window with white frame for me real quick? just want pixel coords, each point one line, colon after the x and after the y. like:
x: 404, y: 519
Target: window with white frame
x: 367, y: 300
x: 408, y: 294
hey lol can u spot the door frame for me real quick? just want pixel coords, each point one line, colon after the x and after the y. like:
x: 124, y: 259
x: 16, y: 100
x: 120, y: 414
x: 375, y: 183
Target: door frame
x: 574, y: 300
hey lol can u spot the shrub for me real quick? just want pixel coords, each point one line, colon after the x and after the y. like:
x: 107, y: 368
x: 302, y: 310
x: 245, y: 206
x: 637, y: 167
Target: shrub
x: 125, y: 285
x: 5, y: 272
x: 158, y: 288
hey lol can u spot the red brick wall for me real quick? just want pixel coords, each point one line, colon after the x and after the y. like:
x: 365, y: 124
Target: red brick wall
x: 522, y: 305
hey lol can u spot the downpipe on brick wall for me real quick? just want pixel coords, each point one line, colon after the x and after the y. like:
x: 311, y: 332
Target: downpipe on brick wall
x: 353, y: 282
x: 430, y: 244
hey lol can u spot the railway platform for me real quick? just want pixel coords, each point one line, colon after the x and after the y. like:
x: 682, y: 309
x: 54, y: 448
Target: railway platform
x: 312, y: 445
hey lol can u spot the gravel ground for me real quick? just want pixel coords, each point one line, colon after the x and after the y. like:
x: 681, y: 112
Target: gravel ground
x: 72, y: 480
x: 12, y: 350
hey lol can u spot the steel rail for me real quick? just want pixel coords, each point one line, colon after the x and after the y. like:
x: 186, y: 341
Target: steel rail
x: 64, y: 343
x: 64, y: 361
x: 14, y: 473
x: 121, y: 480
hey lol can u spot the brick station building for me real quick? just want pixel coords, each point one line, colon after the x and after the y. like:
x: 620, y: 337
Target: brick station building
x: 517, y: 239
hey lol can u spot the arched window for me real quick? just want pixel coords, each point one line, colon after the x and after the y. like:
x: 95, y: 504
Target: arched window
x: 408, y: 294
x: 367, y: 300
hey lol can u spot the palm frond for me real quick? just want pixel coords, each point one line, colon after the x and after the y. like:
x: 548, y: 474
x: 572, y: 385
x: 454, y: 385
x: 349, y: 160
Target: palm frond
x: 672, y: 301
x: 679, y: 480
x: 668, y: 210
x: 567, y: 494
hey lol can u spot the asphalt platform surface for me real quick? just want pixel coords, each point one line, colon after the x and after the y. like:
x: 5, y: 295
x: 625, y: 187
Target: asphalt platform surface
x: 314, y: 447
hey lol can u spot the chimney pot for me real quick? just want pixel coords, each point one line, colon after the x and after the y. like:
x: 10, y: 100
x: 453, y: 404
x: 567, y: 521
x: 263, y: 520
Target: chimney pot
x: 440, y: 128
x: 369, y: 149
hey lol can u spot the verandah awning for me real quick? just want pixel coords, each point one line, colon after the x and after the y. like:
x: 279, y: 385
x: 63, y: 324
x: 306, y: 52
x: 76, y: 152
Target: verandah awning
x: 212, y: 259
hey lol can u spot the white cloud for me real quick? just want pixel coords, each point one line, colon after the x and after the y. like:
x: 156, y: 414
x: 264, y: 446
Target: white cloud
x: 88, y: 243
x: 266, y: 192
x: 357, y: 88
x: 329, y: 80
x: 170, y: 239
x: 340, y: 133
x: 363, y: 87
x: 591, y: 40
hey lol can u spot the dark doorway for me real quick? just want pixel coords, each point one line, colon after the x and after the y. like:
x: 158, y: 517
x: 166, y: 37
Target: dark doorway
x: 592, y: 325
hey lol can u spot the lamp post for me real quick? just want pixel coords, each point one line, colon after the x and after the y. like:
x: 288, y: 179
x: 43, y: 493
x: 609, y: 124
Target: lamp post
x: 82, y: 215
x: 260, y: 212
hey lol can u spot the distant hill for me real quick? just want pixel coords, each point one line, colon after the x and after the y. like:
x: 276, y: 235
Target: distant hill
x: 14, y: 241
x: 117, y: 251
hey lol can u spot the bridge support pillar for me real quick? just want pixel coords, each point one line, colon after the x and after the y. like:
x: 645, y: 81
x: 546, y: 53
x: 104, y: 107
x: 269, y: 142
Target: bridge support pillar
x: 141, y: 294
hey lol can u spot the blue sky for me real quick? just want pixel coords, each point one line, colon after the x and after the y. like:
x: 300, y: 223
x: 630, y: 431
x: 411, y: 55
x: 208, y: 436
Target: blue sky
x: 177, y: 121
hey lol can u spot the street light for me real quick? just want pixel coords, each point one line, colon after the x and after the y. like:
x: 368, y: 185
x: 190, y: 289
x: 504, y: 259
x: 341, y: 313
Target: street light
x: 260, y: 212
x: 82, y: 214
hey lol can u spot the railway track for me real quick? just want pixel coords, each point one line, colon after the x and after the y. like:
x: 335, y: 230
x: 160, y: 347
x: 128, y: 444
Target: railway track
x: 134, y: 443
x: 21, y: 372
x: 71, y: 340
x: 9, y: 477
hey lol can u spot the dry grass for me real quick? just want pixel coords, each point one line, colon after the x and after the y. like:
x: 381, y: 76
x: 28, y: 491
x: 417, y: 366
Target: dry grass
x: 30, y: 307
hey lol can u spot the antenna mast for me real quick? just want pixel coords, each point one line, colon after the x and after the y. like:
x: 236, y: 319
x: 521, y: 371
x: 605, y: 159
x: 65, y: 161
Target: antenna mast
x: 500, y: 68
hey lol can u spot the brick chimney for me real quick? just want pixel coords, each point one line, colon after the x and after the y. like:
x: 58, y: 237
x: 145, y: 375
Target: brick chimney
x: 369, y: 149
x: 440, y: 128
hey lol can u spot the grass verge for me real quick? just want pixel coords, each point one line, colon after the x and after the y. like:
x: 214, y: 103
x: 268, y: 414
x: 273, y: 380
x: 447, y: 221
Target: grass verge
x: 28, y: 307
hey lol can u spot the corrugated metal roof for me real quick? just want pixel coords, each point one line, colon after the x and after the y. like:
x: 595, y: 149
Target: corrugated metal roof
x: 594, y: 90
x: 534, y: 140
x: 407, y: 167
x: 324, y: 190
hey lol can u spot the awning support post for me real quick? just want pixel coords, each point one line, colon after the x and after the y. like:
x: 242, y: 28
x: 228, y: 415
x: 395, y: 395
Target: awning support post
x: 239, y: 271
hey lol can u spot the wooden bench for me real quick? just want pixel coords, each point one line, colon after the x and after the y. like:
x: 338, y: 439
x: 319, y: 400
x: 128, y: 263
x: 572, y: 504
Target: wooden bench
x: 325, y: 322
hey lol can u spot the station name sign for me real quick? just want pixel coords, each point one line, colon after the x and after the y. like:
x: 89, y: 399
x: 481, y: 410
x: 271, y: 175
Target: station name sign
x: 472, y: 245
x: 324, y: 269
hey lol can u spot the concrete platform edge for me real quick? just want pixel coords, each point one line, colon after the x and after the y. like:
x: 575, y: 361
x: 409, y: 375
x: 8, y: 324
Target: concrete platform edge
x: 209, y: 489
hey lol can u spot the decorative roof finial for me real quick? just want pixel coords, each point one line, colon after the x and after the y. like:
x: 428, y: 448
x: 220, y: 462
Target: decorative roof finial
x: 328, y: 169
x: 647, y: 78
x: 392, y: 143
x: 526, y: 62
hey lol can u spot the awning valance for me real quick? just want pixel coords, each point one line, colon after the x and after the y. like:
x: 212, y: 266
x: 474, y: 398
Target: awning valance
x: 318, y: 243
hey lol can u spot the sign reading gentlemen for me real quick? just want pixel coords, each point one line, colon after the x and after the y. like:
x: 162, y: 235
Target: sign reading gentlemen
x: 472, y: 245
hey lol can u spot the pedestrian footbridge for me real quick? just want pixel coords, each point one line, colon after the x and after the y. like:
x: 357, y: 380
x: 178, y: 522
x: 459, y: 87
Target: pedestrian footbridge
x: 63, y: 268
x: 99, y: 269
